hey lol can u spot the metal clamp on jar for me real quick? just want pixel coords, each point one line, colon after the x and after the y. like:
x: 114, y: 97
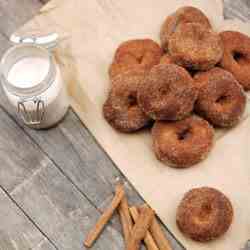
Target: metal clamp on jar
x: 32, y: 81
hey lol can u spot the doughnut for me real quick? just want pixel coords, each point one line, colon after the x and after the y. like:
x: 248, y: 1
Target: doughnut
x: 121, y: 109
x: 221, y: 100
x: 204, y: 214
x: 144, y: 53
x: 167, y: 93
x: 195, y: 47
x: 119, y: 68
x: 165, y: 59
x: 181, y: 144
x: 187, y: 14
x: 236, y: 56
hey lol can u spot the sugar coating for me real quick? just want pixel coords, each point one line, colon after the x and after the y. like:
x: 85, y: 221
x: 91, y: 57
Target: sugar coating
x: 196, y: 47
x: 221, y: 99
x: 236, y: 56
x: 167, y: 93
x: 187, y: 14
x: 143, y: 53
x: 204, y: 214
x: 182, y: 144
x: 121, y: 109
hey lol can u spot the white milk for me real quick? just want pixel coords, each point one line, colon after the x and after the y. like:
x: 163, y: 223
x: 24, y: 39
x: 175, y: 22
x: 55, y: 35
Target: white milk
x: 28, y: 73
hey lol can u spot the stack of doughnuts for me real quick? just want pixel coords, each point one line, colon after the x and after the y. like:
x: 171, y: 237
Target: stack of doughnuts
x: 191, y: 84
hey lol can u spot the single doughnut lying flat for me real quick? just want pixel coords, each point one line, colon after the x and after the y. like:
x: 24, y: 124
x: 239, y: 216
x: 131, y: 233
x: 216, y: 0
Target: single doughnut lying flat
x: 187, y: 14
x: 204, y: 214
x: 167, y: 93
x: 236, y: 56
x: 121, y: 109
x: 221, y: 100
x: 143, y: 53
x: 183, y: 143
x: 196, y: 47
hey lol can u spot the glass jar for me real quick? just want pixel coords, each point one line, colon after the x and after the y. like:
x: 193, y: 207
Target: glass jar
x: 33, y: 82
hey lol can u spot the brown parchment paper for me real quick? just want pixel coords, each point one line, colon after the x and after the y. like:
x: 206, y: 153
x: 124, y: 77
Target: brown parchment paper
x: 90, y: 30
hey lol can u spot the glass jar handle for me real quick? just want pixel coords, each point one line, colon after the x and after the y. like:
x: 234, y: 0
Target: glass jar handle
x: 32, y: 117
x: 49, y: 41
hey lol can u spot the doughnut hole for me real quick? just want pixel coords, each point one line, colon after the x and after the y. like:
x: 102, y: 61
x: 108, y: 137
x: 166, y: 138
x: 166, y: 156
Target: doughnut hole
x: 224, y: 98
x: 184, y: 133
x: 238, y: 56
x: 132, y: 100
x: 242, y: 60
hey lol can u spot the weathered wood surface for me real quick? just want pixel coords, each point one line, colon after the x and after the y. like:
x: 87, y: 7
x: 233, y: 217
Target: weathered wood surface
x: 54, y: 183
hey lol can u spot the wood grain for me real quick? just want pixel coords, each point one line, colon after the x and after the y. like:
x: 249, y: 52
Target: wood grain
x: 45, y: 194
x: 237, y: 9
x: 71, y: 158
x: 16, y: 230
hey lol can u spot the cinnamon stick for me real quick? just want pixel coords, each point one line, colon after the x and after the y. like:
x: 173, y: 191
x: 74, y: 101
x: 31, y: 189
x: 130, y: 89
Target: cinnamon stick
x: 140, y: 228
x: 149, y: 241
x: 158, y: 234
x: 125, y: 218
x: 105, y: 217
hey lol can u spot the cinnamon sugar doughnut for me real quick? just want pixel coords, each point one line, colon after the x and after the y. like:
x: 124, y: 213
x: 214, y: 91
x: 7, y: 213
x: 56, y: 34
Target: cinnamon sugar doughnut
x: 236, y: 57
x: 121, y: 109
x: 187, y: 14
x: 183, y: 143
x: 221, y: 100
x: 167, y: 93
x: 143, y: 53
x: 195, y: 47
x: 204, y: 214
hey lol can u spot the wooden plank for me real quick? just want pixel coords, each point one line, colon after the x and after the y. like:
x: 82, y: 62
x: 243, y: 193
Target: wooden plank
x: 81, y: 160
x: 45, y: 194
x: 15, y: 13
x: 237, y: 9
x: 16, y: 230
x: 4, y: 43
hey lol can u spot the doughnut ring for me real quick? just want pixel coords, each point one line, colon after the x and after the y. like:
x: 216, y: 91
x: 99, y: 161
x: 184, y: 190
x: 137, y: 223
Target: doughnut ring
x: 221, y: 100
x: 236, y: 57
x: 121, y: 109
x: 144, y: 53
x: 167, y: 93
x: 204, y: 214
x: 183, y: 143
x: 186, y: 14
x: 195, y: 47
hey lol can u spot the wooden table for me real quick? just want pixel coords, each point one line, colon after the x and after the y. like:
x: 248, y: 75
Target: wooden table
x: 55, y: 183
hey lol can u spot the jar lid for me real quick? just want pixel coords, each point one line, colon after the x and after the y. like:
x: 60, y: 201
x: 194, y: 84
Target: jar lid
x: 47, y: 41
